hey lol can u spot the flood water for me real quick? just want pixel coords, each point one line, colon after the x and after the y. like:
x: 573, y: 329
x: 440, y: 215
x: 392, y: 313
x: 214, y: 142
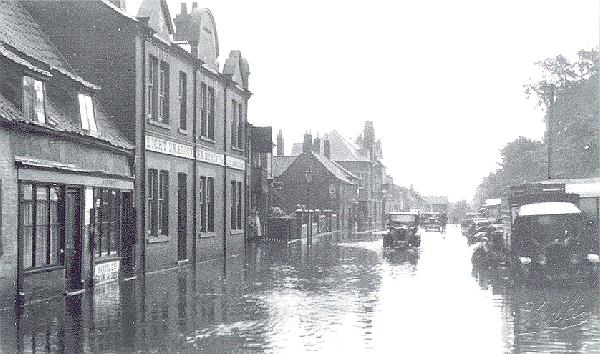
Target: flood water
x: 341, y: 294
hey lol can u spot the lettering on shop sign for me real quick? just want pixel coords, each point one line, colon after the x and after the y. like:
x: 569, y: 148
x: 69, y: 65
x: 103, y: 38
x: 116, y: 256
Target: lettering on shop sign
x: 186, y: 151
x: 236, y: 163
x: 169, y: 147
x: 106, y: 271
x: 209, y: 157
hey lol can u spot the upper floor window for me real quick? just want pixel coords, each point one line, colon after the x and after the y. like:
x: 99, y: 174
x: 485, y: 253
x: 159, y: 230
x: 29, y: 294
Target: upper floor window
x: 240, y: 117
x: 203, y: 113
x: 182, y: 100
x: 33, y: 99
x: 234, y: 124
x: 158, y: 91
x: 163, y: 99
x: 211, y: 112
x: 86, y: 110
x: 207, y: 111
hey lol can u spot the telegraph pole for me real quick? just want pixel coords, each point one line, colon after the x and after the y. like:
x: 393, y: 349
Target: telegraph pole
x: 549, y: 127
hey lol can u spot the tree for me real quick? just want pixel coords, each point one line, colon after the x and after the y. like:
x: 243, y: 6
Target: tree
x: 569, y: 95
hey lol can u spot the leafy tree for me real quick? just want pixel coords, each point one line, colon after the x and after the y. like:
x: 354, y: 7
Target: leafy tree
x: 569, y: 94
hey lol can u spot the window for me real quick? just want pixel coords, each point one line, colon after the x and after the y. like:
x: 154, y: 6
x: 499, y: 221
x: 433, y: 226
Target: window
x: 240, y: 142
x: 86, y: 111
x: 153, y: 89
x: 163, y: 99
x: 233, y: 205
x: 33, y: 99
x: 210, y: 187
x: 203, y: 111
x: 182, y: 101
x: 158, y: 202
x: 239, y: 206
x: 211, y: 112
x: 39, y: 225
x: 236, y: 205
x: 107, y: 226
x: 203, y: 202
x: 234, y: 124
x: 207, y: 204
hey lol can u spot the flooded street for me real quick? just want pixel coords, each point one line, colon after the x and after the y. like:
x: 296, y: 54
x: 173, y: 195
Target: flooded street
x: 342, y: 294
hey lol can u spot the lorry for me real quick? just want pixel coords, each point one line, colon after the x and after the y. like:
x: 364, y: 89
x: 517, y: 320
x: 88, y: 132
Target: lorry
x: 553, y: 230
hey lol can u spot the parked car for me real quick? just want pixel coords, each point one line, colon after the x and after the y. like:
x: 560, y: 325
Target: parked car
x: 403, y: 230
x: 431, y: 221
x: 548, y: 242
x: 479, y: 228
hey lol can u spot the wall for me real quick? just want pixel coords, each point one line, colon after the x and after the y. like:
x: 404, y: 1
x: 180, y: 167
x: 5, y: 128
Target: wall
x: 8, y: 221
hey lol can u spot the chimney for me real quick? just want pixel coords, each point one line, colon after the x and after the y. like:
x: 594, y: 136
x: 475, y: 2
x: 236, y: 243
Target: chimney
x: 307, y: 144
x: 194, y: 5
x: 317, y: 145
x: 280, y: 150
x: 183, y: 8
x: 327, y: 148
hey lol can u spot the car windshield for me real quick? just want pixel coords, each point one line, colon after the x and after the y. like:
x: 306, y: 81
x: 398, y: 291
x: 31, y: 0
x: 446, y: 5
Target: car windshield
x: 546, y: 228
x: 403, y: 218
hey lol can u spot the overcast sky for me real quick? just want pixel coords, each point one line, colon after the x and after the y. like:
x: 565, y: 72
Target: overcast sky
x: 442, y: 80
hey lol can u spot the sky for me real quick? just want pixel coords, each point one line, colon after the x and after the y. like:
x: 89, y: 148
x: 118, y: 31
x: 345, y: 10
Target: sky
x: 441, y: 80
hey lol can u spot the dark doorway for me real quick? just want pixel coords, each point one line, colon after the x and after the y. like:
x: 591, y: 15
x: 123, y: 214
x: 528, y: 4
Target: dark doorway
x: 127, y: 234
x: 182, y: 216
x: 73, y: 239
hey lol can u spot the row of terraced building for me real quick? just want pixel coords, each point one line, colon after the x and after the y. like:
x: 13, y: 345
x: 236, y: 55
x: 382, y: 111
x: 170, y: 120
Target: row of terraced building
x: 123, y: 145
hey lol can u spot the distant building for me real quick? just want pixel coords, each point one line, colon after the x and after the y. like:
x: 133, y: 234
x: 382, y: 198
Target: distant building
x: 363, y: 160
x: 438, y: 204
x: 331, y: 187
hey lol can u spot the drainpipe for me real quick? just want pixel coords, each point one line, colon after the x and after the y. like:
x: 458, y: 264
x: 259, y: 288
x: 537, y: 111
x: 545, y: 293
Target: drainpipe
x: 225, y: 185
x: 195, y: 165
x: 141, y: 169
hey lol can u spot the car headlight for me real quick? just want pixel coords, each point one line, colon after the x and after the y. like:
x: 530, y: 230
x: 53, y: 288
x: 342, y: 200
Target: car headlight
x: 593, y: 258
x: 525, y: 260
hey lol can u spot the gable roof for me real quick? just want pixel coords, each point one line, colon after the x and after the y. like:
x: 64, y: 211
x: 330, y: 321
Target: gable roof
x: 23, y: 43
x: 343, y: 150
x: 159, y: 15
x: 22, y: 37
x: 280, y: 164
x: 332, y: 167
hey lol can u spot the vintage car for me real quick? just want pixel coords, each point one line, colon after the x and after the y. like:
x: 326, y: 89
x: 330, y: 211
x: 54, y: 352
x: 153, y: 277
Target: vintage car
x: 479, y: 228
x: 468, y: 220
x: 403, y: 230
x: 431, y: 221
x: 549, y: 241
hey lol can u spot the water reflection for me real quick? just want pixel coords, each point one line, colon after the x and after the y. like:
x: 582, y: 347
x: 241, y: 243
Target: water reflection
x: 343, y: 293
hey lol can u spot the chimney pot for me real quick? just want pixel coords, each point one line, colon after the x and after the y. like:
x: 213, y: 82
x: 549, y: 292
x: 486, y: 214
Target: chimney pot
x: 327, y: 148
x: 183, y: 8
x: 194, y: 5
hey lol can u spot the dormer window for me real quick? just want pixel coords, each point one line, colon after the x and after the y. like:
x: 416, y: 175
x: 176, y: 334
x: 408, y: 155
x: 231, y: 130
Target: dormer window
x: 33, y: 99
x: 86, y: 110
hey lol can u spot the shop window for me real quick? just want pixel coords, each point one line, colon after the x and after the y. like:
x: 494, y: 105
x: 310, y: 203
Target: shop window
x: 182, y: 101
x: 33, y: 99
x: 39, y: 225
x: 158, y: 202
x: 86, y: 111
x: 234, y: 124
x: 106, y: 223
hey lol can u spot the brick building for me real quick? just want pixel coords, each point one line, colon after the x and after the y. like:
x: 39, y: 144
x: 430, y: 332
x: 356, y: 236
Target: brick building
x: 163, y: 87
x: 66, y: 170
x: 331, y: 187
